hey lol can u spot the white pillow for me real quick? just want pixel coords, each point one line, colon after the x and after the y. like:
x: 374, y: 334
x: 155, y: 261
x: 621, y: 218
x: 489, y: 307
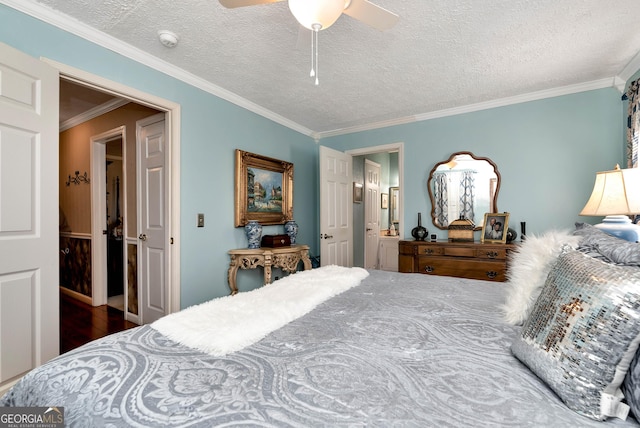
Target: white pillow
x: 528, y: 269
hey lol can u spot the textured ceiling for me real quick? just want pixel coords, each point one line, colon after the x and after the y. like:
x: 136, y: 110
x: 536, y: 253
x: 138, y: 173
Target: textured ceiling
x: 442, y: 54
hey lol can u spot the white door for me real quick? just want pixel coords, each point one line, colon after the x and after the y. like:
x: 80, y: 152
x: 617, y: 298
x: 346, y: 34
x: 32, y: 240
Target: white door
x: 336, y: 222
x: 153, y: 216
x: 371, y: 213
x: 29, y: 256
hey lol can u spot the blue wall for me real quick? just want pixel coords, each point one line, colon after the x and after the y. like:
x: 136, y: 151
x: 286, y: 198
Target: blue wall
x: 547, y: 152
x: 211, y: 130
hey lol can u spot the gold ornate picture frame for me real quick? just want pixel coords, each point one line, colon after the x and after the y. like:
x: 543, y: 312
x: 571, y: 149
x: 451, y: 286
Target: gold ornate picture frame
x: 264, y: 189
x: 494, y: 228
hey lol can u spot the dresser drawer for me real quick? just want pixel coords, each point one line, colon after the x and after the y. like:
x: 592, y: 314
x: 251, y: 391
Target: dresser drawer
x: 471, y: 268
x: 430, y: 250
x: 491, y: 253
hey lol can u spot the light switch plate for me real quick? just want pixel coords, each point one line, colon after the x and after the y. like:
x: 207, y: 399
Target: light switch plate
x: 200, y: 220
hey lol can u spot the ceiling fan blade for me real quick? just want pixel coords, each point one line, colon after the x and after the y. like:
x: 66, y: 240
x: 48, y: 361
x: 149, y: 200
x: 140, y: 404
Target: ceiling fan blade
x: 371, y: 14
x: 230, y: 4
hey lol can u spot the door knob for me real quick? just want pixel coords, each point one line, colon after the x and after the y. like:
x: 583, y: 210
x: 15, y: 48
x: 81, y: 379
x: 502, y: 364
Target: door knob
x: 327, y: 236
x: 142, y: 237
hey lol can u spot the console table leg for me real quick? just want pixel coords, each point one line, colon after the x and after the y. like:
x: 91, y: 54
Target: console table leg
x: 231, y: 277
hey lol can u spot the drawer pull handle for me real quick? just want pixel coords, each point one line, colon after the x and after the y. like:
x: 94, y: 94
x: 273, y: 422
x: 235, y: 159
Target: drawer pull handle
x: 492, y: 274
x: 428, y: 251
x: 428, y: 269
x: 492, y: 254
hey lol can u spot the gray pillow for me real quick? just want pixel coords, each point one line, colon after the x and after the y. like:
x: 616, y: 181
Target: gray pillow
x: 583, y: 333
x: 631, y: 386
x: 609, y: 248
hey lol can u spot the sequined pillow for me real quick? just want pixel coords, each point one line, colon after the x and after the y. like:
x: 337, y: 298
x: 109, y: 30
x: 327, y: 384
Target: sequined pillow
x: 583, y: 332
x: 608, y: 248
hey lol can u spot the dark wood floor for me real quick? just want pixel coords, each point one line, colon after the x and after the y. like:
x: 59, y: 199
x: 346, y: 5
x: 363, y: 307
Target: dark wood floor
x: 81, y: 323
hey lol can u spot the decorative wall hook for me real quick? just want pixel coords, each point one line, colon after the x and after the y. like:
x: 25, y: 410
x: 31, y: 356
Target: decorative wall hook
x: 77, y: 179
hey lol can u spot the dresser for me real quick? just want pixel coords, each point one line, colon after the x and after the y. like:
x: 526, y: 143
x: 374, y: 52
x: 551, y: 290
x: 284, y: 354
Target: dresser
x: 462, y: 259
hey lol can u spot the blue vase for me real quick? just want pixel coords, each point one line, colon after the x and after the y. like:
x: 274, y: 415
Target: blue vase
x: 291, y: 229
x: 253, y: 229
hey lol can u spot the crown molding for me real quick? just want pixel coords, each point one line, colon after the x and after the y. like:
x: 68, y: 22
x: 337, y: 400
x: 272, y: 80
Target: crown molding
x: 628, y: 71
x: 93, y: 113
x: 73, y: 26
x: 80, y: 29
x: 502, y: 102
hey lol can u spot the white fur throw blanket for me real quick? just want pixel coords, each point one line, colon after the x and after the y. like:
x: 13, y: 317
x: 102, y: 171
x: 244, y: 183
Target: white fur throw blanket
x: 229, y: 324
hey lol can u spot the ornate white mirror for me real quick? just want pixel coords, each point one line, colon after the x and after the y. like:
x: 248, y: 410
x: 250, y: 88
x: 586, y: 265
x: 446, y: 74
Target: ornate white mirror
x: 463, y: 186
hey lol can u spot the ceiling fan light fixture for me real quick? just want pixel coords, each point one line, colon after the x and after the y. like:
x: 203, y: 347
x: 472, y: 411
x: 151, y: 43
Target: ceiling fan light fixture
x: 310, y: 12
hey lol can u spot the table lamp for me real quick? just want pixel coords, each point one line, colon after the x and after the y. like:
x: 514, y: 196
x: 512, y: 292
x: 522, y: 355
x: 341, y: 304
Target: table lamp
x: 616, y: 195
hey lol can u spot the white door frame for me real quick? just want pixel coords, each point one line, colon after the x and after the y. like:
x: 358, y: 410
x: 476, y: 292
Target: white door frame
x: 385, y: 148
x: 172, y: 117
x: 98, y: 212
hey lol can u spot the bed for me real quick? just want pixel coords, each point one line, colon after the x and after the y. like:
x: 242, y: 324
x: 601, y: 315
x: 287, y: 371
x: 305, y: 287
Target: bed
x: 392, y: 350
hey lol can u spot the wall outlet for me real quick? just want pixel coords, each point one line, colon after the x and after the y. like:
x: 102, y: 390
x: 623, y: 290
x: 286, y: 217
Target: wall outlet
x: 200, y: 220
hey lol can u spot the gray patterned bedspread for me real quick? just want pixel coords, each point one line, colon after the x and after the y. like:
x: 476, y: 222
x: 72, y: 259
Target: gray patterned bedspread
x: 400, y: 350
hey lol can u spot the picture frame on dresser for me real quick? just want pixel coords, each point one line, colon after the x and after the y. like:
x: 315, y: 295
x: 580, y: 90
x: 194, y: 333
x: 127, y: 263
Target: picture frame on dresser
x: 263, y: 189
x: 494, y: 228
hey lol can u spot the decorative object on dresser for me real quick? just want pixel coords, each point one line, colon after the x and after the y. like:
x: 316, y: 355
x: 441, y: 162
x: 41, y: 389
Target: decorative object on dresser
x: 511, y: 235
x: 264, y: 189
x: 616, y: 195
x: 459, y: 259
x: 465, y: 186
x: 419, y: 232
x: 494, y: 227
x: 461, y: 230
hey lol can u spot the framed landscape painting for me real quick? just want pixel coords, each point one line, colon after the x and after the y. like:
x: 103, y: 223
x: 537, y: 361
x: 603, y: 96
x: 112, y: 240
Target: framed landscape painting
x: 264, y: 189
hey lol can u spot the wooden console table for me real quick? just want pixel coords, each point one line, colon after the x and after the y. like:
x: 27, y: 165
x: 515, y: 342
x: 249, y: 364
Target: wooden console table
x: 285, y: 258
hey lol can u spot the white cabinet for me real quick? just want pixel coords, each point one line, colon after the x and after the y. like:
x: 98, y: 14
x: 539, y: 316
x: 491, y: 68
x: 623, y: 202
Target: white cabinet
x: 388, y: 253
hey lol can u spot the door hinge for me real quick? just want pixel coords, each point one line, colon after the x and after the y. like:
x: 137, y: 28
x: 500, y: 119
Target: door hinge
x: 171, y: 240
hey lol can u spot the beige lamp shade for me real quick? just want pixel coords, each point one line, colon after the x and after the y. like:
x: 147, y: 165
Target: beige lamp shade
x: 615, y: 192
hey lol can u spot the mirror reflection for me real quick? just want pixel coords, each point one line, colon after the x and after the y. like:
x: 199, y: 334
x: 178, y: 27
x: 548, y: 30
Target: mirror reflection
x: 394, y: 211
x: 463, y: 186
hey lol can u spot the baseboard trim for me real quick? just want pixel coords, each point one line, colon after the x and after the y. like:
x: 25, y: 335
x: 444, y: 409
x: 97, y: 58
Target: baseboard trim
x: 76, y: 295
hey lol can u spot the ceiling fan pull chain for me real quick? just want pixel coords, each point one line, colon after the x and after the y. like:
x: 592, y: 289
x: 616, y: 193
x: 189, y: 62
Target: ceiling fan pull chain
x: 317, y: 65
x: 313, y: 71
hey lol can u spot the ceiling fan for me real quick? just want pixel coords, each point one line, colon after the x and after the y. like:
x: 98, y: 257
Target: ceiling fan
x: 326, y: 12
x: 319, y: 15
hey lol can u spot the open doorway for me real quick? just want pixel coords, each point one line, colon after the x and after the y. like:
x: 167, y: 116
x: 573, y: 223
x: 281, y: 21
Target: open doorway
x: 390, y: 157
x: 115, y: 217
x: 80, y: 103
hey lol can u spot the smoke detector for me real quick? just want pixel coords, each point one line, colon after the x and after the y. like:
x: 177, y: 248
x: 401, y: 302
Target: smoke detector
x: 168, y: 38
